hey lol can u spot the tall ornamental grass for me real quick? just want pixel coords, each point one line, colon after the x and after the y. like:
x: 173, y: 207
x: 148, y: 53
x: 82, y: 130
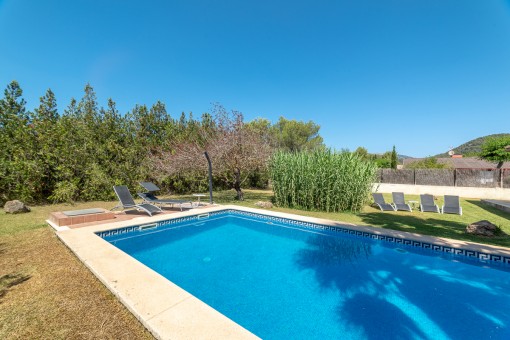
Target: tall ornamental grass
x: 324, y: 180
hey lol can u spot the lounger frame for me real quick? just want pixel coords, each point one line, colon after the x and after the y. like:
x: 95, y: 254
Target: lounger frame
x: 126, y: 201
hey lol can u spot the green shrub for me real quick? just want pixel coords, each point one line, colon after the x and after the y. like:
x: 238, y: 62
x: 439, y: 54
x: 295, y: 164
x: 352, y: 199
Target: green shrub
x: 65, y: 191
x: 323, y: 180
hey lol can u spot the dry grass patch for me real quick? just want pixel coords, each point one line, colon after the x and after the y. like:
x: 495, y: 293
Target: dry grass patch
x: 48, y: 294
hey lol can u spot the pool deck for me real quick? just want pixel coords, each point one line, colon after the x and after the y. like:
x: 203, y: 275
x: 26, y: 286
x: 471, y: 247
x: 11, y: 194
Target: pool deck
x: 168, y: 311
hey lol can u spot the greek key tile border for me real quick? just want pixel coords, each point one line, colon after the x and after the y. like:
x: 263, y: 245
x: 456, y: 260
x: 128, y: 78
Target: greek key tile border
x: 481, y: 256
x: 125, y: 230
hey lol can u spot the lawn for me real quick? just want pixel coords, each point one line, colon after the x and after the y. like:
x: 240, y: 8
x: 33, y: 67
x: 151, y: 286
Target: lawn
x: 46, y: 292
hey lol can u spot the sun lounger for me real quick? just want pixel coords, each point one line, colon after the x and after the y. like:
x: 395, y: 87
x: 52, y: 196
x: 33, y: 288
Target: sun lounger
x: 399, y: 202
x: 451, y: 205
x: 379, y: 200
x: 127, y: 201
x: 149, y: 197
x: 427, y: 204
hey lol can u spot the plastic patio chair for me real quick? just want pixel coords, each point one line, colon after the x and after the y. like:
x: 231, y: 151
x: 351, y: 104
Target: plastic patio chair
x: 149, y: 196
x: 451, y: 205
x: 399, y: 201
x: 379, y: 200
x: 427, y: 203
x: 126, y: 201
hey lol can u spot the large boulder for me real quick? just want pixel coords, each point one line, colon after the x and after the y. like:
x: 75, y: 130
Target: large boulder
x: 15, y: 207
x: 483, y: 228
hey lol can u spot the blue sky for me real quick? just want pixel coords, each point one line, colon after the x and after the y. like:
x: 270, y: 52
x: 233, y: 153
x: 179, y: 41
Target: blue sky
x: 421, y: 75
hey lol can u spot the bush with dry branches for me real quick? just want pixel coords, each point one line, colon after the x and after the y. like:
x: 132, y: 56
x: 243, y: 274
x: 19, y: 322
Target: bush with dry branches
x: 234, y: 148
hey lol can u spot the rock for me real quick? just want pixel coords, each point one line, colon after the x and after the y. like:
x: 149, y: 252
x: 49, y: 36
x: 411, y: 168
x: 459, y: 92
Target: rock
x: 484, y: 228
x: 15, y: 207
x: 262, y: 204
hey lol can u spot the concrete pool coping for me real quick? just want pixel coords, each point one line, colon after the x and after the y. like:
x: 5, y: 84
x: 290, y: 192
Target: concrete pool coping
x: 168, y: 311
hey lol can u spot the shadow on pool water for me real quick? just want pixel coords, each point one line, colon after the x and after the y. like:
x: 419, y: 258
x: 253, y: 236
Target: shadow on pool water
x: 403, y: 296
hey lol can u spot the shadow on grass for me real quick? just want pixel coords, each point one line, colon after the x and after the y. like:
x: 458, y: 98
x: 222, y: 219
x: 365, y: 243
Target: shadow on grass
x: 429, y: 226
x: 490, y: 209
x: 10, y: 280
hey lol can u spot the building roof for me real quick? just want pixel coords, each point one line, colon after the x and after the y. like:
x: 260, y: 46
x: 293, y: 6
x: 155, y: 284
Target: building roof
x: 463, y: 163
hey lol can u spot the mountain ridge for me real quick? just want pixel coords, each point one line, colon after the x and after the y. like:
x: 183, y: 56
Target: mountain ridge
x: 472, y: 147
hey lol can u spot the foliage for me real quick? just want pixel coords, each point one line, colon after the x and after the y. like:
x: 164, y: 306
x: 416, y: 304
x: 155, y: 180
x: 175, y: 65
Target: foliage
x: 321, y: 180
x: 79, y: 154
x: 235, y: 151
x: 496, y: 149
x: 426, y: 163
x: 362, y: 152
x: 383, y: 162
x: 394, y: 159
x: 388, y: 159
x: 294, y: 136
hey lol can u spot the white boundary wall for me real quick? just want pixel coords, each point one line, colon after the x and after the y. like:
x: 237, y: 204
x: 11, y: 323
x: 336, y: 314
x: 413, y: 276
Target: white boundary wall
x: 470, y: 192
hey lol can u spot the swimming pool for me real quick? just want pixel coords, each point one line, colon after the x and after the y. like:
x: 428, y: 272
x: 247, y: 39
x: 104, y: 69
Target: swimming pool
x: 282, y: 278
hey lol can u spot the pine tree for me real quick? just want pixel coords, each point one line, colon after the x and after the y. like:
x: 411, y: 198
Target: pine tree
x: 68, y: 168
x: 17, y: 142
x: 44, y: 121
x: 394, y: 158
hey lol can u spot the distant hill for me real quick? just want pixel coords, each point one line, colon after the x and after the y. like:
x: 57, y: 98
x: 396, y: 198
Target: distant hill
x: 472, y: 147
x: 402, y: 157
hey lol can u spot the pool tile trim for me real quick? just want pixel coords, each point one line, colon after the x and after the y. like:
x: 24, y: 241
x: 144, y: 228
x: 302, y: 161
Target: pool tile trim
x: 483, y: 256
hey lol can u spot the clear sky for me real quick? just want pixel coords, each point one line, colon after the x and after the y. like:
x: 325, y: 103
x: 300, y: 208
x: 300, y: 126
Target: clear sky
x: 419, y: 74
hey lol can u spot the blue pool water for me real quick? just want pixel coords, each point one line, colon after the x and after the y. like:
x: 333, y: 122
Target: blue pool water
x: 286, y: 282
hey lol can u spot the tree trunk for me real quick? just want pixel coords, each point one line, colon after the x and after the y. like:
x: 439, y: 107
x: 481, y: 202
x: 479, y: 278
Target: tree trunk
x: 237, y: 184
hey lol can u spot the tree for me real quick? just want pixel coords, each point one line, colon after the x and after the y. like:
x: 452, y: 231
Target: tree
x: 497, y: 149
x: 427, y: 163
x: 44, y: 121
x: 394, y: 158
x: 263, y: 127
x: 17, y: 140
x: 234, y: 148
x: 362, y: 152
x: 81, y: 153
x: 294, y: 136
